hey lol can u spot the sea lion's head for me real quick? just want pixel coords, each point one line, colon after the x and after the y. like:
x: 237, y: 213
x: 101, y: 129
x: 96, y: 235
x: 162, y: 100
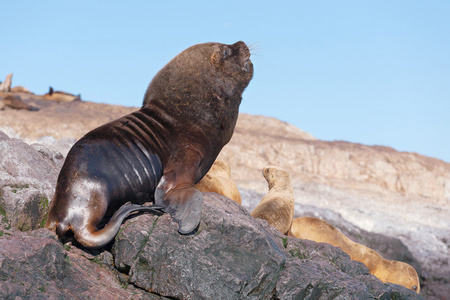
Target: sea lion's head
x: 278, y: 177
x: 402, y: 273
x: 204, y: 71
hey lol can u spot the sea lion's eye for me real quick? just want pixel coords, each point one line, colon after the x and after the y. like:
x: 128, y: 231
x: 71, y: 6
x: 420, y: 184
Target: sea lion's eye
x: 226, y: 52
x: 414, y: 287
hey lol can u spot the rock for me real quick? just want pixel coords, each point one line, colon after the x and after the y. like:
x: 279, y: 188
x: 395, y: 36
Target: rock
x: 234, y: 256
x: 34, y: 265
x: 27, y: 182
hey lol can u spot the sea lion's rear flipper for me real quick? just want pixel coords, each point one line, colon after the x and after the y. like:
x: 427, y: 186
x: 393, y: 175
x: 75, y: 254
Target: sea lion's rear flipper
x: 89, y: 236
x: 128, y: 208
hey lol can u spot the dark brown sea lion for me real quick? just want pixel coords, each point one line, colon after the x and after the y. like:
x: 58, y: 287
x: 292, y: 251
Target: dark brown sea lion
x: 158, y: 152
x: 59, y: 96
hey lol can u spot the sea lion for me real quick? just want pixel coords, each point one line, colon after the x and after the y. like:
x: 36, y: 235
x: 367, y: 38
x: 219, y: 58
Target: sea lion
x: 20, y: 89
x: 386, y: 270
x: 14, y: 101
x: 59, y: 96
x: 218, y: 180
x: 5, y: 86
x: 158, y: 152
x: 277, y: 207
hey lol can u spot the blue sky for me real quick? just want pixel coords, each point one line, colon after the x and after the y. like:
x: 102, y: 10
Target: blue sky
x: 370, y: 72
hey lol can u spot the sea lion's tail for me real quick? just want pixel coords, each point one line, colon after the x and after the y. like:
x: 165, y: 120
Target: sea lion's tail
x: 93, y: 238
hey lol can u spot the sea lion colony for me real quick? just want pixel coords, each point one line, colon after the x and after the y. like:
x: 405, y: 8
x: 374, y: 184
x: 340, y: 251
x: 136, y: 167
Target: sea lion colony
x: 161, y: 151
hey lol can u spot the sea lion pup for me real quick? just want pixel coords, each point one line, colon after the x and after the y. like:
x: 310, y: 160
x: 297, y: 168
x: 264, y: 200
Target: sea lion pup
x: 386, y: 270
x: 277, y: 207
x: 158, y: 152
x: 59, y: 96
x: 5, y: 86
x: 218, y: 180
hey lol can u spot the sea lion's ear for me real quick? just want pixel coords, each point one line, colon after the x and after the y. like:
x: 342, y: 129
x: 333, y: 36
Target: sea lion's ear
x: 215, y: 57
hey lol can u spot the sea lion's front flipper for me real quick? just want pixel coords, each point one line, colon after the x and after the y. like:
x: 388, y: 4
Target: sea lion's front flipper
x: 185, y: 207
x: 181, y: 200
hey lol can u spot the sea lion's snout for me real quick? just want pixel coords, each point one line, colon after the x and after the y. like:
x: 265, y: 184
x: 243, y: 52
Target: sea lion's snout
x: 244, y: 55
x: 247, y: 65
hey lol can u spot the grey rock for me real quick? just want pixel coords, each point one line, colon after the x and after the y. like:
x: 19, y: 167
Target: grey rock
x: 34, y: 265
x: 234, y: 256
x: 27, y: 182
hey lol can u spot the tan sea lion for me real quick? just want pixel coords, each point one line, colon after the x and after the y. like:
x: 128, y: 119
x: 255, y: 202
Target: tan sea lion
x: 386, y: 270
x: 59, y: 96
x: 20, y: 89
x: 277, y: 207
x: 14, y: 101
x: 218, y: 180
x: 158, y: 152
x: 5, y: 86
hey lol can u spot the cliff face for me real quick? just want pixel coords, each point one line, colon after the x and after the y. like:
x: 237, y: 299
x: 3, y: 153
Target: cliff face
x: 262, y: 141
x: 366, y: 191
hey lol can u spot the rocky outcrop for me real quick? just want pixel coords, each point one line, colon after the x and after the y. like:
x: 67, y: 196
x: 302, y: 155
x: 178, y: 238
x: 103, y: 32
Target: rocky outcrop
x: 232, y: 256
x: 27, y: 182
x: 34, y: 265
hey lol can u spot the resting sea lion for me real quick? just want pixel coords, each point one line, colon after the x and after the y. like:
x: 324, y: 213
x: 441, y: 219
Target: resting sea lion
x: 20, y: 89
x: 5, y: 86
x: 59, y: 96
x: 277, y: 207
x: 218, y: 180
x: 158, y: 152
x: 386, y: 270
x: 14, y: 101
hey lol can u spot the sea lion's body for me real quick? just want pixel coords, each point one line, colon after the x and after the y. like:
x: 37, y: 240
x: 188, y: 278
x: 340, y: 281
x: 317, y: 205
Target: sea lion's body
x: 5, y: 86
x: 14, y: 101
x: 386, y: 270
x: 157, y: 153
x: 60, y: 97
x: 218, y: 180
x: 277, y: 206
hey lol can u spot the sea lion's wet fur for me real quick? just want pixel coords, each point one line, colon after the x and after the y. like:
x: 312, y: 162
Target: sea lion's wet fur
x: 157, y: 153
